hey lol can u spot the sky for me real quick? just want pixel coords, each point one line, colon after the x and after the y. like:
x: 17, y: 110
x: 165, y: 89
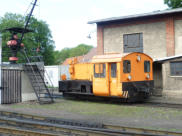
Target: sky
x: 68, y: 19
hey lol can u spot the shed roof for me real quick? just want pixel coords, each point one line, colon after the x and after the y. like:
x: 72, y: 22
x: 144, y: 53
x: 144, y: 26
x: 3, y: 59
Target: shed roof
x: 154, y: 13
x: 108, y: 58
x: 167, y: 58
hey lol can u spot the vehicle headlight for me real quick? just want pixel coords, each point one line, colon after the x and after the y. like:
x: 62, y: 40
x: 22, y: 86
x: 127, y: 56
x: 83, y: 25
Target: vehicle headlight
x: 129, y: 77
x: 138, y: 58
x: 148, y: 76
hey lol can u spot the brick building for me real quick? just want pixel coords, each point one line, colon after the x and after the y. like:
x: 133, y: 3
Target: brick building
x: 158, y: 34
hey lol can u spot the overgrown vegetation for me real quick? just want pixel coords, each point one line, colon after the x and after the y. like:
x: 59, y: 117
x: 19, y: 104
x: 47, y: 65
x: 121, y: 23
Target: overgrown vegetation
x: 40, y: 37
x: 173, y: 3
x: 61, y: 56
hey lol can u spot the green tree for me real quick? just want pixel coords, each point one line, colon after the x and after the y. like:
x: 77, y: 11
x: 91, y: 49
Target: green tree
x: 40, y: 37
x: 81, y: 49
x: 173, y: 3
x: 61, y: 56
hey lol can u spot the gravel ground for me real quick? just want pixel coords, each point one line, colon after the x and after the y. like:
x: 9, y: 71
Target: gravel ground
x: 107, y: 113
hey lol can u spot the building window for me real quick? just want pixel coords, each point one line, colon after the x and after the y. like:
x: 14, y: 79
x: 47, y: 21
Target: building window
x: 133, y: 42
x: 146, y: 66
x: 113, y: 69
x: 126, y: 66
x: 99, y: 70
x: 176, y: 68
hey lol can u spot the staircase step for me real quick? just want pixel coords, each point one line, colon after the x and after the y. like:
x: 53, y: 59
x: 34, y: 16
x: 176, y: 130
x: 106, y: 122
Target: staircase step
x: 32, y: 74
x: 38, y: 84
x: 38, y: 76
x: 46, y: 102
x: 41, y: 90
x: 35, y: 79
x: 45, y: 99
x: 35, y: 75
x: 43, y: 93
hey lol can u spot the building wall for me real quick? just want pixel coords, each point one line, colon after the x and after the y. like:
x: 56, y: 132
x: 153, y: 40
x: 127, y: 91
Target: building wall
x: 27, y: 89
x: 162, y: 36
x: 178, y: 37
x: 64, y: 70
x: 154, y: 38
x: 160, y: 30
x: 171, y: 83
x: 157, y: 70
x: 52, y: 73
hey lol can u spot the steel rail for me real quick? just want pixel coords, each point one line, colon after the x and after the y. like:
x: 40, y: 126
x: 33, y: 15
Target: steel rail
x: 156, y: 104
x: 119, y: 101
x: 143, y: 130
x: 53, y: 128
x: 23, y: 132
x: 48, y: 119
x: 164, y: 105
x: 53, y: 125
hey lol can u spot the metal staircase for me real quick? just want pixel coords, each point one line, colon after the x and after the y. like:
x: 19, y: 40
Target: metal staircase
x: 36, y: 77
x: 39, y: 78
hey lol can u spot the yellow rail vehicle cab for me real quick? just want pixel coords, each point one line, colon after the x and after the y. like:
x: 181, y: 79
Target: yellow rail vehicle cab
x: 127, y: 76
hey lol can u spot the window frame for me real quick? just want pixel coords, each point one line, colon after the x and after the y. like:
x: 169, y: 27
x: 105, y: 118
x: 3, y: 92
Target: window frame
x: 102, y: 66
x: 113, y: 71
x: 127, y: 46
x: 147, y: 69
x: 125, y: 67
x: 174, y: 70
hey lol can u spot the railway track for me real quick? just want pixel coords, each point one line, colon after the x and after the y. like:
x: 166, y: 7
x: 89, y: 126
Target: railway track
x: 120, y: 101
x: 26, y: 125
x: 158, y: 105
x: 9, y: 131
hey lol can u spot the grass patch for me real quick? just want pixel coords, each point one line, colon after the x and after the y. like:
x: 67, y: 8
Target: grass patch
x: 109, y: 110
x: 96, y: 108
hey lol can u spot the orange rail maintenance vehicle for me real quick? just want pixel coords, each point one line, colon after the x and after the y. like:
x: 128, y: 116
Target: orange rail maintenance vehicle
x: 128, y: 76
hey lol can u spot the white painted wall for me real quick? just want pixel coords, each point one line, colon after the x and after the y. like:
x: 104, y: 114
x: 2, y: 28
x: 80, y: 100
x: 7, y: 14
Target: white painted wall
x: 53, y: 74
x: 64, y: 69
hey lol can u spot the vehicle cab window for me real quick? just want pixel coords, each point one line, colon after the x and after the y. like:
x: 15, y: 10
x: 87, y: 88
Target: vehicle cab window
x: 99, y: 70
x: 126, y: 66
x: 146, y: 66
x: 113, y: 70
